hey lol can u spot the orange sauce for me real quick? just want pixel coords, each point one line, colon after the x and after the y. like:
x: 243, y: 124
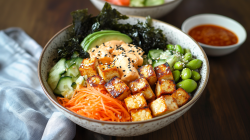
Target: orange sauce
x: 213, y: 35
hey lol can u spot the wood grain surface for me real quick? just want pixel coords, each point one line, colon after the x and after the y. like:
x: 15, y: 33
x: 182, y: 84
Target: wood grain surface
x: 222, y: 112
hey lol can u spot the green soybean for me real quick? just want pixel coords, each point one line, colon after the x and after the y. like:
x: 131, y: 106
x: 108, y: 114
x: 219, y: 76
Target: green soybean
x: 186, y: 73
x: 179, y: 49
x: 188, y: 85
x: 178, y: 65
x: 186, y: 50
x: 196, y: 76
x: 194, y: 64
x: 187, y: 57
x: 170, y: 47
x: 176, y: 74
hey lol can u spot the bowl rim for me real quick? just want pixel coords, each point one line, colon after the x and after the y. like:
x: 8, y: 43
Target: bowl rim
x: 190, y: 103
x: 219, y: 16
x: 165, y: 3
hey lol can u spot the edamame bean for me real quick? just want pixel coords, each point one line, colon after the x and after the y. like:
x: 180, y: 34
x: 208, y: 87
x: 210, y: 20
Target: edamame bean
x: 194, y: 64
x: 178, y: 65
x: 176, y: 74
x: 179, y: 49
x: 188, y: 85
x: 186, y: 73
x: 196, y: 76
x: 186, y: 50
x: 187, y: 57
x: 170, y: 47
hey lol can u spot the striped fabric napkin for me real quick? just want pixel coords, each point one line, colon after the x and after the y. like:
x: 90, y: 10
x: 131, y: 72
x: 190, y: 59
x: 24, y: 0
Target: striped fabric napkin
x: 25, y: 112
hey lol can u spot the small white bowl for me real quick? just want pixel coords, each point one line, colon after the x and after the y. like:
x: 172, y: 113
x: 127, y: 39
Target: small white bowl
x: 154, y: 11
x: 218, y: 20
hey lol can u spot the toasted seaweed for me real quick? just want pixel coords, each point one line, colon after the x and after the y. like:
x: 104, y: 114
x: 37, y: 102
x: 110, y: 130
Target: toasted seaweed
x: 142, y: 34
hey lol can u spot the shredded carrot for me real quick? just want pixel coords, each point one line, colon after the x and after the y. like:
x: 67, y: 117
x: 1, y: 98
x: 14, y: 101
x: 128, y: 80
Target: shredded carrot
x: 96, y: 104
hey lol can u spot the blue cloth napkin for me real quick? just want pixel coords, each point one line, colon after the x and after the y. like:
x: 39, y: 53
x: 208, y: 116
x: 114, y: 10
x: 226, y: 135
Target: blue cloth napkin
x: 25, y: 112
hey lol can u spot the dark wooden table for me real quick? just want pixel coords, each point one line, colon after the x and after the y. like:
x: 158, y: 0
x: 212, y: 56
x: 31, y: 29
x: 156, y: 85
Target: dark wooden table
x: 222, y: 112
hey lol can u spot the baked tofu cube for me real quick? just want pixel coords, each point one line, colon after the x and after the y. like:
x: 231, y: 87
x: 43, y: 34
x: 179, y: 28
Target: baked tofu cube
x: 89, y: 67
x: 181, y: 96
x: 158, y: 106
x: 107, y: 72
x: 141, y: 85
x: 136, y: 101
x: 140, y: 114
x: 117, y: 88
x: 163, y: 71
x: 171, y: 103
x: 147, y: 72
x: 164, y: 87
x: 95, y: 81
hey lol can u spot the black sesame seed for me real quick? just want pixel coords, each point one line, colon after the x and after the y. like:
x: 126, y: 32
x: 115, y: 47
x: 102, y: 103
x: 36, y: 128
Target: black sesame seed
x: 123, y: 70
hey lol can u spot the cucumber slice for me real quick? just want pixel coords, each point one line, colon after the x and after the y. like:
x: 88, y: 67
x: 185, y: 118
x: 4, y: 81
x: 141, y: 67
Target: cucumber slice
x: 56, y: 72
x: 158, y: 62
x: 78, y: 61
x: 153, y: 2
x: 72, y: 71
x: 64, y: 86
x: 69, y: 62
x: 155, y: 53
x: 137, y: 3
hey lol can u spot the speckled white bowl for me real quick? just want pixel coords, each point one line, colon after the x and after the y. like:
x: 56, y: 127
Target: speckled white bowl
x: 154, y: 11
x: 218, y: 20
x: 174, y: 35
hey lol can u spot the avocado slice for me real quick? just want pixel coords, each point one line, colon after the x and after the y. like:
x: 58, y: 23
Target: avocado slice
x: 102, y: 38
x: 87, y: 38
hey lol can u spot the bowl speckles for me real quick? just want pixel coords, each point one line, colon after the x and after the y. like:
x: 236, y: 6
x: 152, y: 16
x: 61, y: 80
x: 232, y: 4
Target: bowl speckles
x: 174, y: 35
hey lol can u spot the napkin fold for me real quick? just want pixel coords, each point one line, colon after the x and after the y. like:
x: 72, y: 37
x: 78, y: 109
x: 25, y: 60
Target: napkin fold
x: 25, y: 112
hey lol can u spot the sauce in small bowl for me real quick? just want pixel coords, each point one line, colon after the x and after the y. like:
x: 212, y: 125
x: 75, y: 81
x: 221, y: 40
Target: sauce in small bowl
x: 213, y: 35
x: 218, y: 35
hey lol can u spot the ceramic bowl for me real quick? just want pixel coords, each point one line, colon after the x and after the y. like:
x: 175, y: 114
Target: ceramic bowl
x: 174, y: 35
x: 154, y: 11
x: 219, y: 20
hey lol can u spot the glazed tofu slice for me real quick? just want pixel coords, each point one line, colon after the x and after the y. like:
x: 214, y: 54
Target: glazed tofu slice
x: 163, y: 71
x: 95, y: 81
x: 126, y: 68
x: 147, y: 72
x: 181, y: 96
x: 117, y: 88
x: 136, y: 101
x: 171, y: 103
x: 107, y: 72
x: 140, y: 114
x: 141, y: 85
x: 89, y: 67
x: 164, y: 87
x: 158, y: 106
